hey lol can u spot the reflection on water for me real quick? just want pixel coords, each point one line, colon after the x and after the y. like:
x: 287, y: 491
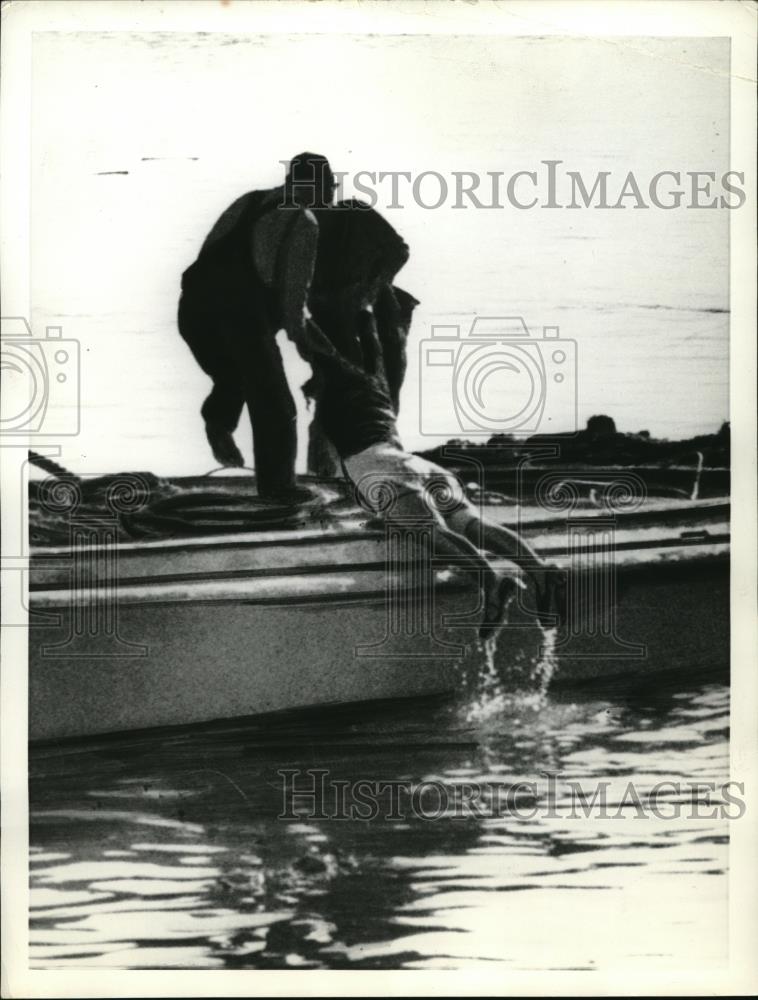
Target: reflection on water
x: 167, y: 852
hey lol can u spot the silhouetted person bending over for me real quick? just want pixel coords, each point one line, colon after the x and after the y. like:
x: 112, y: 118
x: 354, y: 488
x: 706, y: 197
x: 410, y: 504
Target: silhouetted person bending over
x: 251, y: 279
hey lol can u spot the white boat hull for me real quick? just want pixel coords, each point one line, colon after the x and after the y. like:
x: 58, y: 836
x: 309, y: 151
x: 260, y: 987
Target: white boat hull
x: 228, y: 627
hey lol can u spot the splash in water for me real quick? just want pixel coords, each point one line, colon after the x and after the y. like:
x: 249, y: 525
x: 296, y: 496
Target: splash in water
x: 521, y: 683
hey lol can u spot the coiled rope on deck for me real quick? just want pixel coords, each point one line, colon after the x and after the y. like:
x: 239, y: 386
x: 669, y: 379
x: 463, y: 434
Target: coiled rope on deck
x: 168, y: 509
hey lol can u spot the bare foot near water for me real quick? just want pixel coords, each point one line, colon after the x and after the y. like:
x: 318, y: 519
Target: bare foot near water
x: 496, y: 601
x: 550, y: 590
x: 550, y: 598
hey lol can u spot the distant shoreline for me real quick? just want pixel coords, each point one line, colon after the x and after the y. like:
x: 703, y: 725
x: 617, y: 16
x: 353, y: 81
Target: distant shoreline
x: 598, y: 444
x: 699, y: 466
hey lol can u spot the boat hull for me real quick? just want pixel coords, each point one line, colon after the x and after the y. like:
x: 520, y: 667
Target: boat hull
x: 195, y: 663
x: 225, y: 628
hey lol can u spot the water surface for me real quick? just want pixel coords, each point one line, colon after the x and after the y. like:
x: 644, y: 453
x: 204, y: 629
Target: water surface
x: 166, y: 851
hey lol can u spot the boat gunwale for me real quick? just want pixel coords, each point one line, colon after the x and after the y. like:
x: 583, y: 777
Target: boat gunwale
x: 334, y: 533
x: 701, y: 541
x: 210, y: 589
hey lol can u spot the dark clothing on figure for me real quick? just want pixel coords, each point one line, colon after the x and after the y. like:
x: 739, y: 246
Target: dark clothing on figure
x: 352, y: 395
x: 393, y: 310
x: 363, y: 249
x: 229, y: 318
x: 359, y: 255
x: 224, y: 274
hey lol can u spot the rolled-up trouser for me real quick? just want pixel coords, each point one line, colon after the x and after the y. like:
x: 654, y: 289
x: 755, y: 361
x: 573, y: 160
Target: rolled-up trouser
x: 237, y: 348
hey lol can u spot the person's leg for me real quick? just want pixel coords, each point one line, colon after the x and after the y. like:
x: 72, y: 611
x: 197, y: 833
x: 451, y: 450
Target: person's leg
x: 548, y: 580
x: 272, y: 414
x: 494, y: 537
x: 221, y: 412
x: 497, y: 588
x: 222, y: 408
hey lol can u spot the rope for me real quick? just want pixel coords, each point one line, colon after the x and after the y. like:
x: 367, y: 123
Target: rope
x: 50, y: 467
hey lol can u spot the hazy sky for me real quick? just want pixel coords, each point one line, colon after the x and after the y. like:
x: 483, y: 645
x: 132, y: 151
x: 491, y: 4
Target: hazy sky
x: 139, y: 141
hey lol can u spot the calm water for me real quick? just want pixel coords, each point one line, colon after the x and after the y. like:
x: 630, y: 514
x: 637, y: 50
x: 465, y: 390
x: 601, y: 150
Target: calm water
x: 167, y: 851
